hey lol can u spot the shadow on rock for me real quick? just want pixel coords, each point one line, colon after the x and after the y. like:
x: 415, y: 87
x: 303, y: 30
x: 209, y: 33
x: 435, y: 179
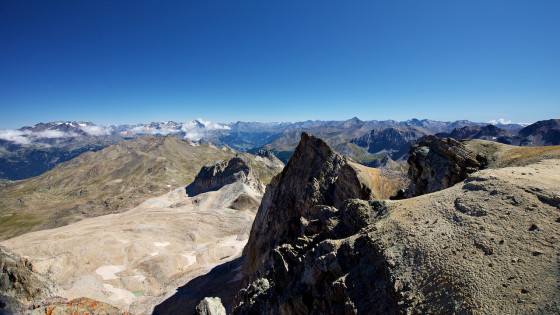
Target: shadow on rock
x: 223, y: 281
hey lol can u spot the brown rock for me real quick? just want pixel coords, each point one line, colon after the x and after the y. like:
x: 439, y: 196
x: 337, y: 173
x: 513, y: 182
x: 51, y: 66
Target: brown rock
x: 210, y: 306
x: 214, y: 176
x: 315, y: 175
x: 435, y: 164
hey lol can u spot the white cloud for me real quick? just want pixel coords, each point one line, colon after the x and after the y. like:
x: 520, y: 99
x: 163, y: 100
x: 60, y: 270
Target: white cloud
x: 95, y: 130
x: 25, y: 137
x: 53, y: 134
x: 146, y: 130
x: 500, y: 121
x: 17, y: 136
x: 198, y: 129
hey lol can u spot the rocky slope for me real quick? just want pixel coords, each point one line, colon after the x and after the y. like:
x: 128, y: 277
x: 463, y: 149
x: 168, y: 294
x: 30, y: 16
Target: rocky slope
x: 20, y: 286
x: 136, y: 259
x: 435, y: 164
x: 112, y: 180
x: 488, y: 244
x: 216, y: 175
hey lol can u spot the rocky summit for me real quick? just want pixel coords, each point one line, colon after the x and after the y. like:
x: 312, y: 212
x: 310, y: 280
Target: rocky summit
x: 489, y: 244
x: 216, y: 175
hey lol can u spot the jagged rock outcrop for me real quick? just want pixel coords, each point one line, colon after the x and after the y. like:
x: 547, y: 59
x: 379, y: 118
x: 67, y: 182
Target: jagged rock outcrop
x: 214, y: 176
x: 486, y: 245
x: 23, y: 290
x: 266, y: 154
x: 435, y: 164
x: 300, y: 202
x: 20, y: 286
x: 210, y: 306
x: 315, y: 175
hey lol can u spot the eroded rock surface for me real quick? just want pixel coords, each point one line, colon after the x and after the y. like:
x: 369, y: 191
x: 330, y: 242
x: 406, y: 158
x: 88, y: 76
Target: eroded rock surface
x: 210, y: 306
x: 315, y: 175
x: 20, y: 286
x: 488, y: 245
x: 435, y: 164
x: 214, y: 176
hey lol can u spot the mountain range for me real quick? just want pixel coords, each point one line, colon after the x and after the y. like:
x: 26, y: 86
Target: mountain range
x: 165, y: 222
x: 32, y: 150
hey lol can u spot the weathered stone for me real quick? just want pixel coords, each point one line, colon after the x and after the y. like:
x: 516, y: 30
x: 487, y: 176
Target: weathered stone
x: 315, y: 175
x: 210, y: 306
x: 216, y: 175
x: 19, y: 285
x: 435, y: 164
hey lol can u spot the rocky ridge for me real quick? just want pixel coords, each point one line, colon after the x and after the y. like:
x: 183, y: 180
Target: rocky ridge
x: 216, y: 175
x: 487, y: 244
x: 488, y: 132
x: 298, y: 205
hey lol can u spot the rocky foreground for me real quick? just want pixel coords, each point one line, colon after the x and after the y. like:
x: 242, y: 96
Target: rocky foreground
x: 490, y: 244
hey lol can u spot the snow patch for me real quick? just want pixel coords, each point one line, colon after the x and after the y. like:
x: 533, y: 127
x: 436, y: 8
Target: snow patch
x: 161, y: 244
x: 191, y: 258
x: 109, y: 272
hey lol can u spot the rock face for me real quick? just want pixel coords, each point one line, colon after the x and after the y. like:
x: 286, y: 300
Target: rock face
x: 315, y: 175
x: 216, y: 175
x: 435, y: 164
x: 210, y: 306
x: 298, y: 210
x: 20, y: 286
x: 487, y: 245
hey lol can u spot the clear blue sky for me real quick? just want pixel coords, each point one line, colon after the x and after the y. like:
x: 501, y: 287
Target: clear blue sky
x: 271, y: 60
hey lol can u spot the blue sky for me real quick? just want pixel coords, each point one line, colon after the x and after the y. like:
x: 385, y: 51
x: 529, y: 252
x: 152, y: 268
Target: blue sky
x: 141, y: 61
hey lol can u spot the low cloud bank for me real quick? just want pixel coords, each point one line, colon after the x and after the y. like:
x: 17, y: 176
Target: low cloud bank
x: 93, y: 130
x: 198, y: 129
x: 194, y: 130
x: 16, y: 136
x: 26, y: 137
